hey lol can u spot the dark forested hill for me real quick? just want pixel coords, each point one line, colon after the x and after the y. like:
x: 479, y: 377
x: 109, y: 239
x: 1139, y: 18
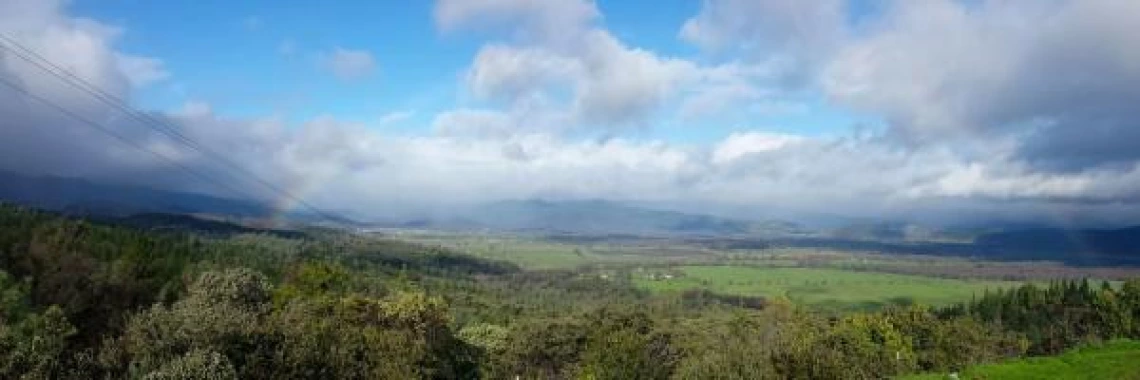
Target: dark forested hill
x: 137, y: 204
x: 602, y: 217
x: 599, y: 217
x: 78, y: 196
x: 1123, y: 242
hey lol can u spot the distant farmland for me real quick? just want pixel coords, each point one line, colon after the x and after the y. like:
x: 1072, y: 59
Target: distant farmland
x: 818, y: 287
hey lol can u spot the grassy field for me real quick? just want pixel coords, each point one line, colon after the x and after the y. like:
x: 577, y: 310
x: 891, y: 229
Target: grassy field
x: 817, y: 287
x: 819, y: 278
x: 531, y: 253
x: 536, y: 252
x: 1113, y: 360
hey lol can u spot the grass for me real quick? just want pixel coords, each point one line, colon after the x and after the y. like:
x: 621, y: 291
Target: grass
x: 817, y: 287
x: 527, y: 253
x: 1112, y: 360
x: 536, y: 253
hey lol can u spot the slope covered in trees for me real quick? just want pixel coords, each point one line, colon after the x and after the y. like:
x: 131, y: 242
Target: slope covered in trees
x: 84, y: 300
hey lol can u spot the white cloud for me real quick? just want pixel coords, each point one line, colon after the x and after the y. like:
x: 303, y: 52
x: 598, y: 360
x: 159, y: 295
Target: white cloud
x: 344, y: 165
x: 549, y: 20
x: 713, y: 99
x: 395, y: 117
x: 578, y: 68
x: 624, y: 85
x: 471, y: 122
x: 759, y: 25
x: 141, y: 71
x: 1059, y: 76
x: 348, y: 64
x: 37, y: 138
x: 740, y: 144
x: 793, y: 36
x: 485, y: 123
x: 507, y: 73
x: 81, y: 46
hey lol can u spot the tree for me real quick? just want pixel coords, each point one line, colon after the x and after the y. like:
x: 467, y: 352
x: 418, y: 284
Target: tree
x: 624, y: 345
x: 196, y: 365
x: 35, y: 347
x: 860, y: 346
x: 223, y: 312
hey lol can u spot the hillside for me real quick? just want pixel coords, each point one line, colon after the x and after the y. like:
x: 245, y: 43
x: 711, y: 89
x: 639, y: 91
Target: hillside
x: 76, y: 196
x: 83, y: 197
x: 1123, y: 242
x: 592, y: 217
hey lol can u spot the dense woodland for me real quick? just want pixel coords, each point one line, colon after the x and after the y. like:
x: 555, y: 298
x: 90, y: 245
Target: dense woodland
x: 93, y: 300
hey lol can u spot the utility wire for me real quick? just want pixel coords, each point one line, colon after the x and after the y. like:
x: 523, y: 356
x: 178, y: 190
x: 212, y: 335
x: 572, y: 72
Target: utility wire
x: 151, y: 122
x: 99, y: 127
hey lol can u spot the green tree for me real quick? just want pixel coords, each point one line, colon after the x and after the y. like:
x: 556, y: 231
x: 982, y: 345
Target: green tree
x: 196, y: 365
x: 625, y: 345
x: 35, y: 347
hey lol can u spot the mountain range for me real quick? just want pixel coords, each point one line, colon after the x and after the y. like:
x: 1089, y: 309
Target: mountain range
x: 140, y: 205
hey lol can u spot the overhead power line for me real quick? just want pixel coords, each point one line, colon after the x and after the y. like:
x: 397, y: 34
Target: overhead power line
x: 93, y: 124
x: 73, y: 80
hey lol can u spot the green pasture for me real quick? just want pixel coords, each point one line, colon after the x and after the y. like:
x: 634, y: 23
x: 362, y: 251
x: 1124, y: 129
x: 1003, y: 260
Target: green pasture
x: 534, y: 253
x: 1112, y: 360
x: 817, y: 287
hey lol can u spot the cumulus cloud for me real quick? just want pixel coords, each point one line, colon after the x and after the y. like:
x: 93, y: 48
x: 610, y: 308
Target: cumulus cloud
x: 1058, y: 76
x: 1031, y: 99
x: 466, y: 122
x: 525, y: 119
x: 741, y: 144
x: 765, y: 25
x: 565, y: 61
x: 37, y: 138
x: 395, y: 117
x: 349, y: 64
x: 794, y: 36
x: 511, y: 74
x: 715, y: 98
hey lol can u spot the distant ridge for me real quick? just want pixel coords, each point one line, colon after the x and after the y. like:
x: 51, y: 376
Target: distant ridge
x: 83, y: 197
x: 1106, y: 242
x: 599, y: 217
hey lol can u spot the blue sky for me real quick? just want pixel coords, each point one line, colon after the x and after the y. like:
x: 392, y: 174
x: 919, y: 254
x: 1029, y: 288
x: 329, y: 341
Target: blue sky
x: 259, y: 58
x: 231, y: 55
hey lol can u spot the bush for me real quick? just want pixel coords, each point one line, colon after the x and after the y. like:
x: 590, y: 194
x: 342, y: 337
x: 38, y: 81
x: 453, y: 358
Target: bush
x: 196, y: 365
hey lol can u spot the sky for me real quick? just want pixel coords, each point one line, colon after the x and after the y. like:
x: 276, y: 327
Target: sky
x: 939, y: 110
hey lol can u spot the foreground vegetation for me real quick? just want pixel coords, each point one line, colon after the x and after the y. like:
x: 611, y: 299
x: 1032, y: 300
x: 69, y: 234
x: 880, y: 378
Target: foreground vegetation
x: 81, y: 300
